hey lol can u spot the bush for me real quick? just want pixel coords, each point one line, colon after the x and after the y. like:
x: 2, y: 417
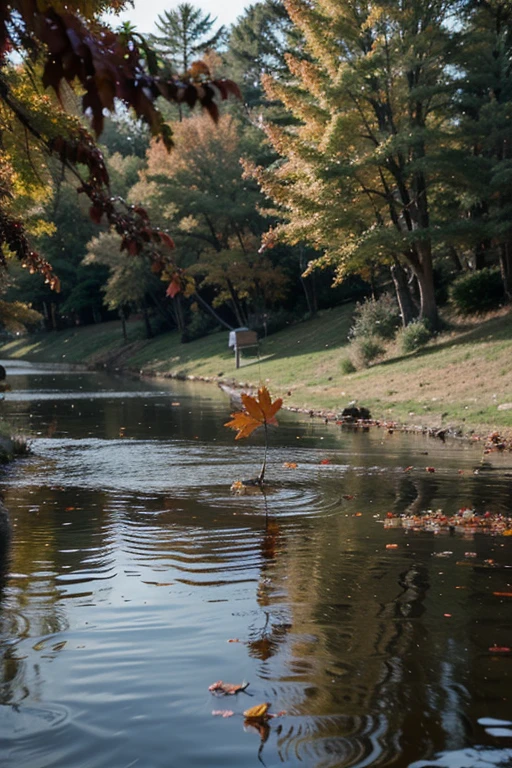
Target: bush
x: 347, y: 366
x: 478, y: 291
x: 376, y: 317
x: 364, y: 351
x: 199, y: 325
x: 416, y: 335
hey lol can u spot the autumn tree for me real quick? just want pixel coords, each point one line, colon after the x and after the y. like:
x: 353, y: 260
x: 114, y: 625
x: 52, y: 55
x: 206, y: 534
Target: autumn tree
x: 213, y: 212
x: 69, y: 49
x: 360, y: 172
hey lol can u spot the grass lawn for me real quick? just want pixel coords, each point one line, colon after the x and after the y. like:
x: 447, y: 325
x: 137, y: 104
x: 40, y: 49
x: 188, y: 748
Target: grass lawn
x: 460, y: 379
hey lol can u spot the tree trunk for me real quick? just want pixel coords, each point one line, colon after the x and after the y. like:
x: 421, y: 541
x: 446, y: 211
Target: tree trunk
x: 428, y: 304
x: 147, y: 324
x: 408, y: 309
x: 506, y: 268
x: 123, y: 325
x: 455, y: 258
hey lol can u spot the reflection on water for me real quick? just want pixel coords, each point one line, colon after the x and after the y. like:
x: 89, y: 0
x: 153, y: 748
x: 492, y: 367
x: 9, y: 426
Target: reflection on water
x: 135, y: 579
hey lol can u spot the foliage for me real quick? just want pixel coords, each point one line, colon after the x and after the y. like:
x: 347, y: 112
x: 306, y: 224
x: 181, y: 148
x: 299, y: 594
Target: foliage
x: 17, y: 317
x: 347, y: 366
x: 185, y: 33
x: 376, y: 317
x: 129, y: 280
x: 361, y: 176
x: 213, y: 211
x: 364, y: 350
x: 199, y: 325
x: 414, y: 336
x: 72, y: 51
x: 478, y: 291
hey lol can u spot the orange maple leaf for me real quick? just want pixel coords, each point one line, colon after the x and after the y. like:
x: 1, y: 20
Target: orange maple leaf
x: 258, y: 411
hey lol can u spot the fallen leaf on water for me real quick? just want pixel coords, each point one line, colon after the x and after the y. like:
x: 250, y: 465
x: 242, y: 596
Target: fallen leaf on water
x: 223, y: 712
x: 447, y: 615
x: 69, y: 509
x: 503, y: 594
x: 175, y: 405
x: 257, y: 712
x: 325, y: 461
x: 233, y: 640
x: 348, y: 496
x: 358, y: 514
x: 228, y: 689
x: 499, y: 649
x: 391, y: 546
x: 460, y: 471
x: 508, y: 532
x: 430, y: 469
x: 290, y: 465
x: 408, y: 469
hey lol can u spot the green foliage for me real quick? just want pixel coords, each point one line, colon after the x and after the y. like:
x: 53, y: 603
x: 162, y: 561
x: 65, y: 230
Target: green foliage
x: 364, y: 350
x: 377, y: 318
x: 347, y: 366
x: 478, y: 291
x: 414, y: 336
x: 199, y: 325
x: 185, y: 33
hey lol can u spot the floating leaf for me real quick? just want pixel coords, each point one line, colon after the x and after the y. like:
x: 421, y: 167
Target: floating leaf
x: 258, y: 712
x: 228, y: 689
x: 391, y: 546
x: 222, y: 712
x: 430, y: 469
x: 503, y: 594
x: 289, y: 465
x: 325, y: 461
x: 499, y: 649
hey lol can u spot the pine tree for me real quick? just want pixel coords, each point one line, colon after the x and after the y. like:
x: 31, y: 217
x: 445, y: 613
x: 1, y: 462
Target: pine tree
x: 362, y: 172
x: 185, y: 33
x: 485, y: 104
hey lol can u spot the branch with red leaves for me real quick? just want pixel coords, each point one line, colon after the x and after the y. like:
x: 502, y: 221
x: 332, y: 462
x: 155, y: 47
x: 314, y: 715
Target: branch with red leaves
x: 108, y: 67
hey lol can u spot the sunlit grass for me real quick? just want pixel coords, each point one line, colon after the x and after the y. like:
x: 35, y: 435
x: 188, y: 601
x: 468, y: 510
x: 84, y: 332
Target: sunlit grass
x: 458, y: 380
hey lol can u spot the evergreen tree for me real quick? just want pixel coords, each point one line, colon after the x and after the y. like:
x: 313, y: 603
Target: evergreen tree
x: 485, y: 106
x: 362, y: 173
x: 185, y: 33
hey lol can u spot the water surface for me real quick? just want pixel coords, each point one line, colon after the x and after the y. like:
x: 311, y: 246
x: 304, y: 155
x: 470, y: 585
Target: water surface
x: 132, y: 567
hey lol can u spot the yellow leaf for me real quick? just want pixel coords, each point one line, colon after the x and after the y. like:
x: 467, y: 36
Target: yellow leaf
x: 258, y: 712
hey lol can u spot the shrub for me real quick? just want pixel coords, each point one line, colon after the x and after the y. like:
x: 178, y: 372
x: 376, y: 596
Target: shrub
x: 416, y: 335
x: 478, y: 291
x: 376, y: 317
x: 364, y: 351
x: 347, y: 366
x: 199, y: 325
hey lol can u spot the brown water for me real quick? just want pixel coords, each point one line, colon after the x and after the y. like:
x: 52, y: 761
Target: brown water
x: 131, y: 567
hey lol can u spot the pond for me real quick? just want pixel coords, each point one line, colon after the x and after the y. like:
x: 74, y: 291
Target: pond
x: 135, y: 579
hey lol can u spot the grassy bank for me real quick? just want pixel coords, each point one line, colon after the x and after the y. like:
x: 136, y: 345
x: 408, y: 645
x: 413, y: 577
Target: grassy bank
x: 459, y: 380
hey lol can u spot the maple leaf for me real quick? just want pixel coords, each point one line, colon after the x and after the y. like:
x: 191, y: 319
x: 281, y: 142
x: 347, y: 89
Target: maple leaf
x: 258, y: 411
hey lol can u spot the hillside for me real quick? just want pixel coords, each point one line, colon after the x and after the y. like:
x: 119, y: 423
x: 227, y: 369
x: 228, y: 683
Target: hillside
x: 462, y: 379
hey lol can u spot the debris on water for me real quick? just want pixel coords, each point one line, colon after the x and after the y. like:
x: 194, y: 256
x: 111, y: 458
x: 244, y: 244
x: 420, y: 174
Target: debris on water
x: 466, y: 520
x: 227, y: 689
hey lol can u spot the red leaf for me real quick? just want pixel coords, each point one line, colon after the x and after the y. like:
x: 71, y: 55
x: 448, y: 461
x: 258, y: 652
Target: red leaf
x: 173, y: 288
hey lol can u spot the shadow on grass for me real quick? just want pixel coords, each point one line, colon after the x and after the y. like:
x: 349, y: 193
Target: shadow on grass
x: 494, y: 329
